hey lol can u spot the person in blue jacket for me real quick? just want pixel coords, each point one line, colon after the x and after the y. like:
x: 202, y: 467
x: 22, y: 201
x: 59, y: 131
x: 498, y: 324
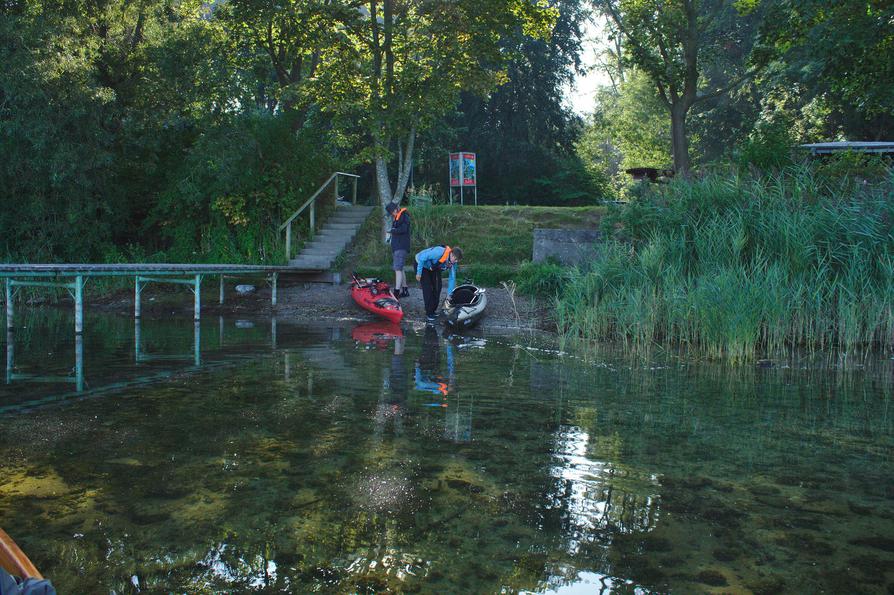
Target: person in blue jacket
x: 400, y: 246
x: 429, y: 264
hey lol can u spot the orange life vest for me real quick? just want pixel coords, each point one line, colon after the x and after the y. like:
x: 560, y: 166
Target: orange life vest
x: 445, y: 256
x: 398, y: 213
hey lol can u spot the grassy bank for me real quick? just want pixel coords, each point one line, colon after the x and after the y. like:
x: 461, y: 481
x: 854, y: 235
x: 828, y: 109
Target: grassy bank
x: 743, y: 267
x: 497, y: 241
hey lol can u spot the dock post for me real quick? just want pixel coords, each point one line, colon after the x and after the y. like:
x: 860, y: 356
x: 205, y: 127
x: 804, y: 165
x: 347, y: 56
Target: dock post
x: 273, y: 332
x: 221, y: 297
x: 273, y: 294
x: 220, y: 331
x: 137, y: 339
x: 10, y: 362
x: 289, y: 241
x: 354, y: 193
x: 197, y: 343
x: 79, y: 304
x: 137, y: 290
x: 79, y: 363
x: 198, y: 303
x: 9, y: 305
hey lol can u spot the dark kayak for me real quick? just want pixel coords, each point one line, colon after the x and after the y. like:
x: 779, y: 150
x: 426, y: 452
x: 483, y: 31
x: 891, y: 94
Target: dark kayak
x: 464, y: 306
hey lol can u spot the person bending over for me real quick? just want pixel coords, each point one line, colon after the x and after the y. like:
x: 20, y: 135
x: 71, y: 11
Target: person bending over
x: 400, y: 247
x: 429, y: 264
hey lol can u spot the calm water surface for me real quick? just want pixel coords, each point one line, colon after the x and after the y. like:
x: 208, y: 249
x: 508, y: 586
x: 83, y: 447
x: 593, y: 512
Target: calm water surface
x: 340, y: 458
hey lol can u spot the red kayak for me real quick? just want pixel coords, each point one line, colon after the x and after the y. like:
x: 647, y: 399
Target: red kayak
x: 375, y: 295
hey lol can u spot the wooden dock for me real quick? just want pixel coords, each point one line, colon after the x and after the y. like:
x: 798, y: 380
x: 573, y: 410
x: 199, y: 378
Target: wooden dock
x: 74, y: 277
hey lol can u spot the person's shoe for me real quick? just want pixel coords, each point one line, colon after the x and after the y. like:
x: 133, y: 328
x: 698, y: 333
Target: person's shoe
x: 431, y: 318
x: 404, y: 292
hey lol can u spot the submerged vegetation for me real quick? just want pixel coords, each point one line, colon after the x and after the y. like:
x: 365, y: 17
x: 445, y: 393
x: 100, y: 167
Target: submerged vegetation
x: 743, y: 267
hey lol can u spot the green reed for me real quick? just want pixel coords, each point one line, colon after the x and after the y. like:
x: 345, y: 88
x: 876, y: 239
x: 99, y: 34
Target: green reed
x: 743, y: 268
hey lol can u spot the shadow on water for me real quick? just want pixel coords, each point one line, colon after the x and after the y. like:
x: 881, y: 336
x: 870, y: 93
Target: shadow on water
x: 365, y: 457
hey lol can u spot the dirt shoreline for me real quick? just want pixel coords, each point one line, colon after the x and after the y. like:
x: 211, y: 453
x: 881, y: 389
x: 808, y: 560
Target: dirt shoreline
x: 323, y: 301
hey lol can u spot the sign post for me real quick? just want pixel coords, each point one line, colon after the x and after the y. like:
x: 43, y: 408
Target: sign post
x: 463, y: 173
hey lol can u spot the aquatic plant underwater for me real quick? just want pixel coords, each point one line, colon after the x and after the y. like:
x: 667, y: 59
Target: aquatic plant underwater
x: 742, y: 267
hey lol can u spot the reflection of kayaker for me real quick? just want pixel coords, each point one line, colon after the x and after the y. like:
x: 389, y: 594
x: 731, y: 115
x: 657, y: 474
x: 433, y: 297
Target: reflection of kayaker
x: 428, y: 377
x: 377, y: 334
x: 18, y: 576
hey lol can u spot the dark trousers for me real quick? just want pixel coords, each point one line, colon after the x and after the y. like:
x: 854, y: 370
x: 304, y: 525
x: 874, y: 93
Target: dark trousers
x: 431, y: 290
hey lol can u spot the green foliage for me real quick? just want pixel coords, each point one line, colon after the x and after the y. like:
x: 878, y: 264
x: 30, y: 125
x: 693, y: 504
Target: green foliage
x: 523, y: 133
x: 629, y: 128
x: 690, y: 50
x: 839, y: 51
x: 768, y: 147
x: 544, y: 279
x: 739, y: 267
x: 853, y: 167
x: 128, y: 133
x: 234, y: 187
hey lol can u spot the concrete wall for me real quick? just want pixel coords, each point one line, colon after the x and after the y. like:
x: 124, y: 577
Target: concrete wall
x: 568, y: 246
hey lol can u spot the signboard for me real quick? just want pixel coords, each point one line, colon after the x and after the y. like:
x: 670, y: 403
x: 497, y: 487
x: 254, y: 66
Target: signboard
x: 463, y: 174
x: 463, y: 170
x: 455, y: 159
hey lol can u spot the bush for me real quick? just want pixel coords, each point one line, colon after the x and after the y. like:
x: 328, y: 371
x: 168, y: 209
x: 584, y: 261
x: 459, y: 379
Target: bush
x: 769, y: 146
x: 542, y: 279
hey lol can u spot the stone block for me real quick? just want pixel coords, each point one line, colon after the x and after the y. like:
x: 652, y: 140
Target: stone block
x: 570, y: 247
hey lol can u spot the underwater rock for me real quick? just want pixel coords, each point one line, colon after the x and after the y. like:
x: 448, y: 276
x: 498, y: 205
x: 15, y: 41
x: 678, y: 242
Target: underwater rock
x: 860, y: 509
x: 880, y: 543
x: 651, y: 543
x: 712, y: 577
x: 245, y: 289
x: 768, y: 585
x: 806, y: 543
x: 128, y: 461
x: 763, y: 490
x: 725, y: 554
x: 870, y: 566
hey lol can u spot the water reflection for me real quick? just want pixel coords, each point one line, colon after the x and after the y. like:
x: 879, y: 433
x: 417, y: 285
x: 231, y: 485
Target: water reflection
x: 76, y: 376
x: 152, y: 365
x: 318, y: 465
x: 429, y: 376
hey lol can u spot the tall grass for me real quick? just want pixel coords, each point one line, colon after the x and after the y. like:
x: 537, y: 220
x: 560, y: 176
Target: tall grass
x: 743, y: 268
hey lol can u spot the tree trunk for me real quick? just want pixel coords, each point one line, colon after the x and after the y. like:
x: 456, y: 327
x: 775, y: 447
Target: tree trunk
x: 383, y: 183
x: 405, y: 166
x: 679, y: 139
x: 384, y: 189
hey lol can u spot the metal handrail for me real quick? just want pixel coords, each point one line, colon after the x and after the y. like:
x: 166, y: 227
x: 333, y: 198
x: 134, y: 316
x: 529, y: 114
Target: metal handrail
x: 287, y: 225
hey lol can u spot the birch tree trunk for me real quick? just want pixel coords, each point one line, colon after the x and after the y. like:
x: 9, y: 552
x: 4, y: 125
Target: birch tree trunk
x: 383, y: 180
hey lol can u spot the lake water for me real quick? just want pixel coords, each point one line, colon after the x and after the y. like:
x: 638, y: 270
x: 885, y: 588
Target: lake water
x: 343, y: 458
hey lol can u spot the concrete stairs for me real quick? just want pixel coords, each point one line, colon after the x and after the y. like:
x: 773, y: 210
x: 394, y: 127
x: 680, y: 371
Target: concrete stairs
x: 337, y: 233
